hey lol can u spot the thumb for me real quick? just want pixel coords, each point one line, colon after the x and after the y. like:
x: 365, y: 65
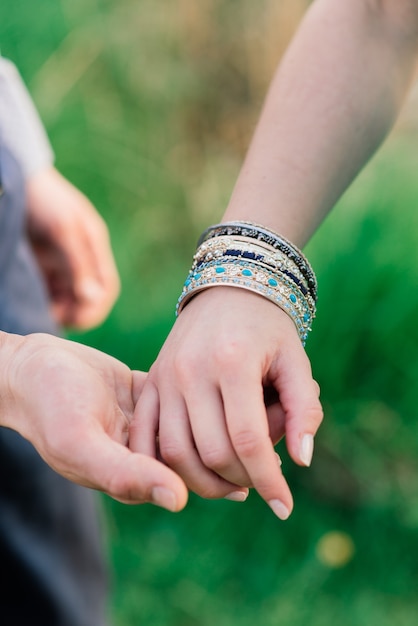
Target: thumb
x: 130, y: 477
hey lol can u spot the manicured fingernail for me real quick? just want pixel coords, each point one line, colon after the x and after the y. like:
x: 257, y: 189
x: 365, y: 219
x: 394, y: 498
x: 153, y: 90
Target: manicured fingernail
x: 306, y: 449
x: 279, y: 509
x: 161, y: 496
x: 279, y: 460
x: 237, y: 496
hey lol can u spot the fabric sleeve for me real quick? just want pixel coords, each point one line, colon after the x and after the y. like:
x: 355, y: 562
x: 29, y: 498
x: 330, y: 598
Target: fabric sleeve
x: 20, y: 125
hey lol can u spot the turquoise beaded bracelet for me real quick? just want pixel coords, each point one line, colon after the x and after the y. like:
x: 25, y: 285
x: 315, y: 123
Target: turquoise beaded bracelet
x: 253, y: 231
x: 279, y: 273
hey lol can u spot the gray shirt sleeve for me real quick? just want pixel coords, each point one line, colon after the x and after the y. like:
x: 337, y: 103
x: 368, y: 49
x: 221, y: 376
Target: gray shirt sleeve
x: 21, y: 129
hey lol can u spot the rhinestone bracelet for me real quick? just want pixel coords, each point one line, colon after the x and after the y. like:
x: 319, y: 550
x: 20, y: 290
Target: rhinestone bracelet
x: 283, y: 295
x: 251, y: 257
x: 260, y: 233
x: 223, y: 248
x: 255, y: 272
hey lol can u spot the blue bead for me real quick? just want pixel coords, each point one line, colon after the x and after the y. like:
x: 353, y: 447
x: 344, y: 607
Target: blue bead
x: 272, y: 282
x: 247, y: 273
x: 293, y: 298
x: 306, y: 317
x: 197, y: 276
x: 219, y: 270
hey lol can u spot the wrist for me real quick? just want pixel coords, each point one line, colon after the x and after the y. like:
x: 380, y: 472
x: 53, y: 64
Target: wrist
x: 10, y: 346
x: 248, y: 256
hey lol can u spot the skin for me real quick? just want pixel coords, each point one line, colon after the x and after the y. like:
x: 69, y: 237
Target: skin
x: 72, y: 246
x: 334, y: 98
x: 74, y: 403
x: 203, y: 409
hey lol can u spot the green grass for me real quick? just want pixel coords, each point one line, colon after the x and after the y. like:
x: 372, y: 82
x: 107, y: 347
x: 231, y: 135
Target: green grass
x: 149, y: 107
x: 231, y: 564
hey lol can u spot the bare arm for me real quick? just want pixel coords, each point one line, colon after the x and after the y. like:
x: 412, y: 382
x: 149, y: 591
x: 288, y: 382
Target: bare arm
x: 69, y: 237
x: 336, y: 94
x: 333, y: 100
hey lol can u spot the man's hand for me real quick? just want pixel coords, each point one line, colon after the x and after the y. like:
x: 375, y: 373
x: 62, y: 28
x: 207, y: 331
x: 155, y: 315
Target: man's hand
x: 71, y: 242
x: 75, y: 405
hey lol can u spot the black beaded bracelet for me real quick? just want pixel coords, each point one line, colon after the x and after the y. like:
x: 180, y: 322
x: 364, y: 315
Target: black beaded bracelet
x: 232, y: 254
x: 276, y: 241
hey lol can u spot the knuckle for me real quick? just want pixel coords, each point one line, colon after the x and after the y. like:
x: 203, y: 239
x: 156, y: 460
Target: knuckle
x: 317, y: 387
x: 185, y: 366
x: 211, y: 491
x: 230, y: 352
x: 216, y: 459
x: 135, y: 428
x: 117, y: 487
x: 248, y: 444
x: 315, y: 414
x: 124, y: 491
x: 122, y: 484
x: 172, y: 453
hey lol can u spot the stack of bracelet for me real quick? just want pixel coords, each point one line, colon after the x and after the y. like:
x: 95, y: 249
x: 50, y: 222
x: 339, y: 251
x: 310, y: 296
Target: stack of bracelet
x: 246, y: 255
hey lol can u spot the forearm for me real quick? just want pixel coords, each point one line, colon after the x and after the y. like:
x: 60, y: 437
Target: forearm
x: 334, y: 98
x: 9, y: 344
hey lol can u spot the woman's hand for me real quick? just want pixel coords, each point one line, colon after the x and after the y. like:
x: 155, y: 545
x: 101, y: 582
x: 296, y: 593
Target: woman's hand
x: 230, y: 355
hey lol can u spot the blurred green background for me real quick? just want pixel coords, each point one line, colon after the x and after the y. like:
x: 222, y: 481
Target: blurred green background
x: 150, y: 106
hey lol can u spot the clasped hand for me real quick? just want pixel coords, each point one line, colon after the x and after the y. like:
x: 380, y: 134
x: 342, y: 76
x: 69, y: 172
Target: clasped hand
x: 231, y: 380
x: 198, y: 420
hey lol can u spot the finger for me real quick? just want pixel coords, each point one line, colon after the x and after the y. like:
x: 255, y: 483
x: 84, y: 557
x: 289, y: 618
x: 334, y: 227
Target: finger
x: 62, y: 309
x: 91, y: 302
x: 94, y: 265
x: 276, y: 422
x: 177, y: 449
x: 248, y: 428
x: 210, y: 433
x: 143, y: 428
x: 94, y: 278
x: 81, y: 300
x: 130, y: 391
x: 128, y: 477
x: 97, y: 289
x: 139, y: 380
x: 98, y: 240
x: 299, y: 398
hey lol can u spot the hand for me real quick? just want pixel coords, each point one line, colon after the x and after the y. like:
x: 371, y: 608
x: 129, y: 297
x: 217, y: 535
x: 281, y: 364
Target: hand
x: 72, y: 246
x: 75, y: 404
x: 205, y: 397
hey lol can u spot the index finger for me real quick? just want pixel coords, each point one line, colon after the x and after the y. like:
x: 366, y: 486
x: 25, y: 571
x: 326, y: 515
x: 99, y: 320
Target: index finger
x: 103, y: 266
x: 247, y: 424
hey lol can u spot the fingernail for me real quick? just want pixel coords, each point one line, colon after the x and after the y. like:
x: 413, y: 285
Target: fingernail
x: 90, y: 289
x: 306, y: 449
x: 161, y: 496
x: 279, y: 509
x: 237, y: 496
x: 279, y: 460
